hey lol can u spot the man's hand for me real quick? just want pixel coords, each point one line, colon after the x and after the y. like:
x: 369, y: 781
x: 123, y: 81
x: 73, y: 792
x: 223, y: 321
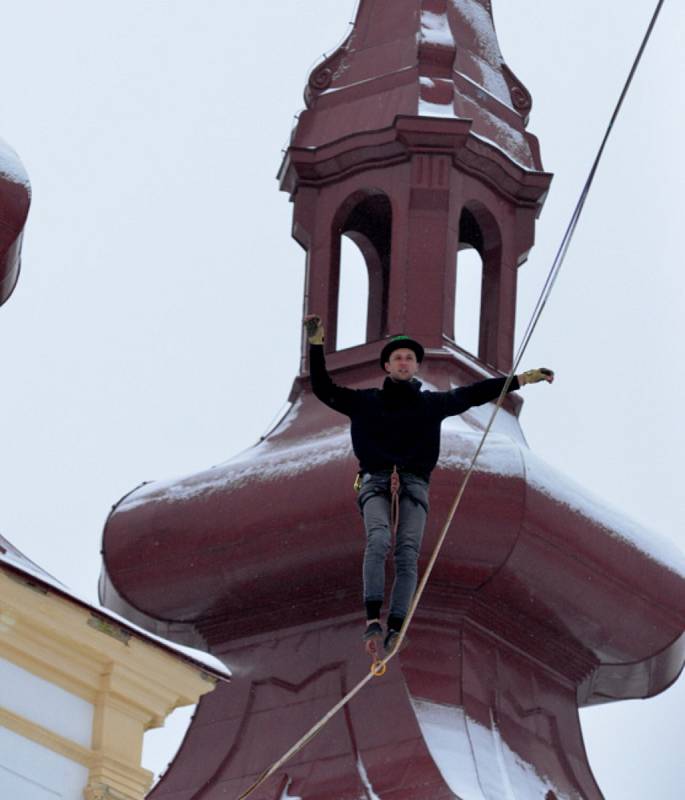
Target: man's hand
x: 315, y: 331
x: 535, y: 376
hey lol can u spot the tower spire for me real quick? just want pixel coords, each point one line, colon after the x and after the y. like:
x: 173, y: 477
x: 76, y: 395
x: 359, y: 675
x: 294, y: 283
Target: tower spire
x: 414, y: 144
x: 438, y: 58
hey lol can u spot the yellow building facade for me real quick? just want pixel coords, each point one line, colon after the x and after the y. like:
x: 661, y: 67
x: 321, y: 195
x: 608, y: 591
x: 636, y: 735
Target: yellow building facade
x: 78, y: 689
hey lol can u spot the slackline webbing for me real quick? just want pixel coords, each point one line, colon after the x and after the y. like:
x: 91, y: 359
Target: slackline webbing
x: 532, y: 324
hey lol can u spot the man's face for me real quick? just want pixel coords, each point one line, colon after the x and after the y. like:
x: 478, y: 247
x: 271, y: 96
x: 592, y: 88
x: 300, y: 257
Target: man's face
x: 402, y: 364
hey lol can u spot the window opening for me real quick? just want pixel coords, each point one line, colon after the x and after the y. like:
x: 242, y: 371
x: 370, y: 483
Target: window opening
x: 468, y: 300
x: 353, y: 295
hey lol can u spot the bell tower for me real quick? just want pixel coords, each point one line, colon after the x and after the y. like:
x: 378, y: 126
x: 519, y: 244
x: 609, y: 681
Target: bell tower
x: 414, y: 145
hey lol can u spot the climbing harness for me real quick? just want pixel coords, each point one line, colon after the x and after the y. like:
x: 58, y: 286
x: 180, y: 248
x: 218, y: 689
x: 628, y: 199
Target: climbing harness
x: 376, y: 669
x: 394, y: 487
x: 394, y: 500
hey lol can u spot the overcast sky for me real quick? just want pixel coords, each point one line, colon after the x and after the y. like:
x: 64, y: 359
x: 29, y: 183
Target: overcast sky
x: 155, y: 329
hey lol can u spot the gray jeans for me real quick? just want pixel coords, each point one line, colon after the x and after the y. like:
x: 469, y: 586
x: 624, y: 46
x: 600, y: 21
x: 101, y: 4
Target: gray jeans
x: 374, y: 502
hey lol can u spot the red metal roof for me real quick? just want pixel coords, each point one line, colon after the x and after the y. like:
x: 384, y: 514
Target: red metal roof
x: 15, y: 198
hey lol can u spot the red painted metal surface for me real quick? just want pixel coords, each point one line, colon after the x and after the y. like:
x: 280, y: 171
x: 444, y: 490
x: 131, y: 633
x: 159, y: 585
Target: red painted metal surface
x: 533, y: 609
x: 15, y: 198
x: 540, y: 602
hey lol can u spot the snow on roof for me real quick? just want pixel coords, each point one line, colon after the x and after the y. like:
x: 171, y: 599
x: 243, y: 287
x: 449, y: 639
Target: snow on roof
x: 13, y: 558
x: 435, y: 29
x: 489, y: 56
x: 303, y: 455
x: 499, y: 456
x: 517, y: 150
x: 11, y: 167
x: 427, y: 109
x: 506, y: 453
x: 286, y: 793
x: 452, y: 737
x: 431, y: 109
x: 546, y: 479
x: 517, y: 146
x: 294, y: 458
x: 361, y: 769
x: 497, y: 146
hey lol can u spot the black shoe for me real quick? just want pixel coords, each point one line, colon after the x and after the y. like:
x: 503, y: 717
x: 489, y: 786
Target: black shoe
x: 391, y: 640
x: 372, y: 638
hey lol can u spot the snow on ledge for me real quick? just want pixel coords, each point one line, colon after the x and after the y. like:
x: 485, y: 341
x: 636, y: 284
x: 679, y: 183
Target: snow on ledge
x: 451, y: 737
x: 361, y: 769
x: 286, y: 793
x: 435, y: 29
x: 11, y: 167
x: 12, y: 557
x: 427, y: 109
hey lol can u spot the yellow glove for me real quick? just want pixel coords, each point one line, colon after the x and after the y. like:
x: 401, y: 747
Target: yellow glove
x: 535, y: 376
x: 315, y: 331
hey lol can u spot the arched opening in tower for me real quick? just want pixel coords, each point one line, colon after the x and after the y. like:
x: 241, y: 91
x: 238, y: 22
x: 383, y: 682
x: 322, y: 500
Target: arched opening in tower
x: 362, y: 243
x: 477, y: 283
x: 353, y: 295
x: 467, y: 301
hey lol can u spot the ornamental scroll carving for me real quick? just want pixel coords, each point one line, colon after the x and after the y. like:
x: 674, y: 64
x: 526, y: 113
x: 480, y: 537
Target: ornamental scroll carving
x: 520, y: 96
x: 328, y: 71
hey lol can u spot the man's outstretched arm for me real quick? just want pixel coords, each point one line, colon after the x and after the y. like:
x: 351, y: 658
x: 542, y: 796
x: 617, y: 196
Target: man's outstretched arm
x: 336, y: 397
x: 465, y: 397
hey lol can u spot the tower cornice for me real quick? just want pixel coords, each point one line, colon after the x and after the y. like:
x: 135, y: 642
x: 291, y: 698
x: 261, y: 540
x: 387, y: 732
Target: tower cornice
x: 407, y: 136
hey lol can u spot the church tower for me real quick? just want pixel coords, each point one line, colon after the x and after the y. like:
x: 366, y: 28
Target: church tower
x: 414, y: 145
